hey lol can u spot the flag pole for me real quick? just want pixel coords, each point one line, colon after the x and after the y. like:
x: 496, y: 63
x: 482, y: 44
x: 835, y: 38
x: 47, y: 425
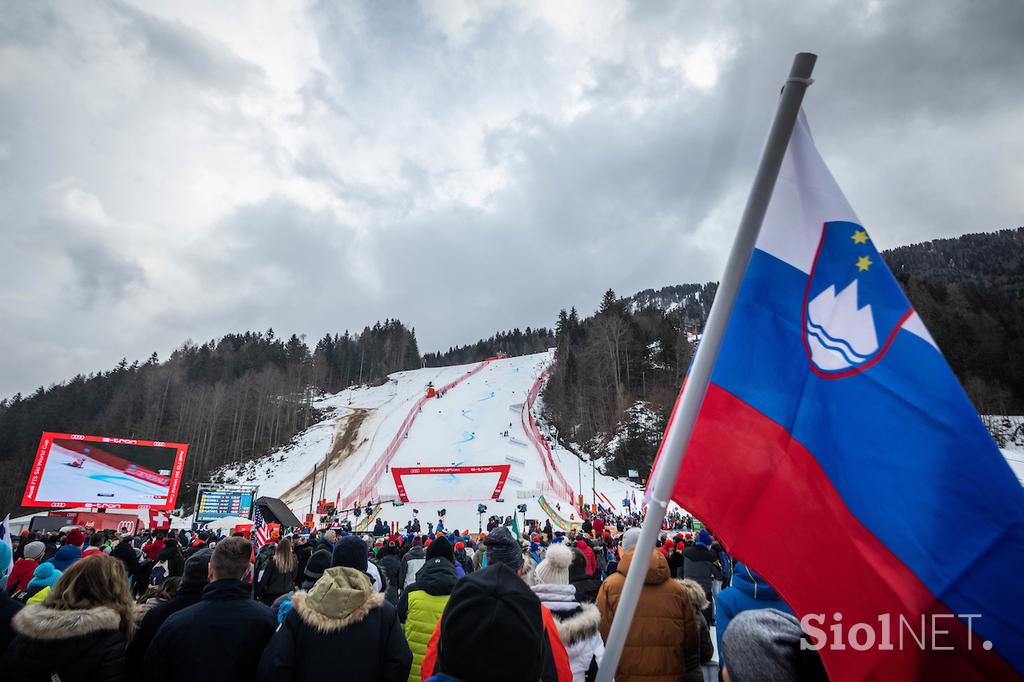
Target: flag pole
x: 678, y: 436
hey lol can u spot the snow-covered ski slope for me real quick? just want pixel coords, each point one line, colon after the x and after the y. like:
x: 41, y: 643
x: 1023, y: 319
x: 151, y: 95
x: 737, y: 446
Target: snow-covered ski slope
x: 365, y: 437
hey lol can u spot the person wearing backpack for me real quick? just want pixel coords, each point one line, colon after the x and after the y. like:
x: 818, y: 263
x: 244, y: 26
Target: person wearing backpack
x: 411, y: 563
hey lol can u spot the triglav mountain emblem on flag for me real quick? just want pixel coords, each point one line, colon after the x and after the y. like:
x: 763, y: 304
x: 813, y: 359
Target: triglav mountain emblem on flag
x: 853, y: 307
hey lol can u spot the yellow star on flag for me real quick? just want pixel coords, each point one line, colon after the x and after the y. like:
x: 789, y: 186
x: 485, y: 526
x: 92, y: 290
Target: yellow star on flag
x: 863, y: 263
x: 860, y: 237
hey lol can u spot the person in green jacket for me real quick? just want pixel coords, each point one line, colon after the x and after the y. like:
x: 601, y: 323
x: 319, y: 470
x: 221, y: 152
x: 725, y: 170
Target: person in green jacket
x: 423, y: 601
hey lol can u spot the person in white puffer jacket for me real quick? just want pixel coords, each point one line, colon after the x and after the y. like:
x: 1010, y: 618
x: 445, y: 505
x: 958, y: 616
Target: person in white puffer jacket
x: 578, y: 624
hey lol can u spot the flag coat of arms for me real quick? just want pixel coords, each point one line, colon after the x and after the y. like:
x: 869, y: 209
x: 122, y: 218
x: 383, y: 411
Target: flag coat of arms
x: 836, y: 454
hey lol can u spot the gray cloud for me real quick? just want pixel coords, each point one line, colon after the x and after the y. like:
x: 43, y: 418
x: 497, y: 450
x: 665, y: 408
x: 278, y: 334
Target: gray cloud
x: 172, y: 173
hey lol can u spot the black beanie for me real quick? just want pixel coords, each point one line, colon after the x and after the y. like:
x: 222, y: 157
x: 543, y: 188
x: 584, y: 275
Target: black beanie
x: 319, y: 561
x: 492, y: 616
x: 441, y: 548
x: 197, y: 569
x: 350, y: 551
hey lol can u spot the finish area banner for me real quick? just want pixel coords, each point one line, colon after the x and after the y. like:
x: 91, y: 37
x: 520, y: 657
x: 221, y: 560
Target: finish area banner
x: 451, y: 473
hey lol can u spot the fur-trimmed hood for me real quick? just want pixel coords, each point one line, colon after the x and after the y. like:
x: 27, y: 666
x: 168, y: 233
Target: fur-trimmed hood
x: 577, y: 625
x: 343, y: 596
x: 40, y: 622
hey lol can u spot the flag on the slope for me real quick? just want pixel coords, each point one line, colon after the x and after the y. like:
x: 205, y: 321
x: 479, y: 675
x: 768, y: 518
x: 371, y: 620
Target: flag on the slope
x: 260, y: 530
x: 837, y: 455
x: 5, y: 537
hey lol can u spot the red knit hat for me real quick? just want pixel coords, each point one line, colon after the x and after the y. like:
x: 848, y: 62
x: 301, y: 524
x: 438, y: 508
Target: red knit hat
x: 669, y: 543
x: 75, y: 537
x: 460, y: 545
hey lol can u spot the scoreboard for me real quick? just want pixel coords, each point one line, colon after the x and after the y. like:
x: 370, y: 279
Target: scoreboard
x: 214, y: 504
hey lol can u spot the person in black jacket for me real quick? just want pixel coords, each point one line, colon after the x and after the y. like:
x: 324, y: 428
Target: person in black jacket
x: 391, y: 566
x: 587, y: 585
x: 411, y: 562
x: 195, y: 578
x: 8, y: 609
x: 278, y: 574
x: 303, y: 550
x: 173, y: 555
x: 78, y: 633
x: 340, y: 621
x: 226, y: 621
x: 126, y: 553
x: 702, y: 565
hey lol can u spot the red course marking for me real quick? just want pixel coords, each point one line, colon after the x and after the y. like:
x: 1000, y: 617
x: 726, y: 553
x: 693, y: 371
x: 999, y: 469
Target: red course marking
x: 367, y: 488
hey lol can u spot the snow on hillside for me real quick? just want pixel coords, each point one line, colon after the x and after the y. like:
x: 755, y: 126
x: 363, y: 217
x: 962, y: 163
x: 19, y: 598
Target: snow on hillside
x: 466, y: 427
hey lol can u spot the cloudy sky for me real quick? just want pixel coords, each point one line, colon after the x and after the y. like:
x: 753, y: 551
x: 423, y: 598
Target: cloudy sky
x: 180, y: 170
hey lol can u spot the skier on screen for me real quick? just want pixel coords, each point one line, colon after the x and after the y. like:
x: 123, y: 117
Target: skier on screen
x: 77, y: 462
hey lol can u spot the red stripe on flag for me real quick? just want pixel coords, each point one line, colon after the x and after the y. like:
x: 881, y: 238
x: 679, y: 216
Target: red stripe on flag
x: 767, y: 498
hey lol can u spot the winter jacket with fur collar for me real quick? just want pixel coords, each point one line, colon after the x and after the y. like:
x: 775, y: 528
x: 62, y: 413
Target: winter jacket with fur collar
x: 578, y: 627
x: 74, y: 645
x: 341, y: 621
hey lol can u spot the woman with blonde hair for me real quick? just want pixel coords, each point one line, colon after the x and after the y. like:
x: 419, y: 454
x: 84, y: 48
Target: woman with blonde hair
x: 79, y: 631
x: 279, y: 575
x: 700, y: 602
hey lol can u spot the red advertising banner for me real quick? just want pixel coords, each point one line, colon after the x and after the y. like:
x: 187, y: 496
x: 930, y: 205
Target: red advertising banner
x: 75, y: 470
x: 122, y: 523
x: 502, y: 469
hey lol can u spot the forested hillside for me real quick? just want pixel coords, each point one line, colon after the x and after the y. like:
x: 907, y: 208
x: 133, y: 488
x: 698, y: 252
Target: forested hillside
x: 231, y: 399
x: 513, y: 343
x: 970, y: 293
x: 616, y: 375
x: 618, y: 371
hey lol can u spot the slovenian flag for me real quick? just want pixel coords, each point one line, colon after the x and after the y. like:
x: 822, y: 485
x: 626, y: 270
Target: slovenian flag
x: 837, y: 455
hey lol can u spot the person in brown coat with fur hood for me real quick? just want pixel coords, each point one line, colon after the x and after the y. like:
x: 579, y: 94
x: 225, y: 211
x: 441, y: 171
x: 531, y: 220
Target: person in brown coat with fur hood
x: 662, y: 644
x: 342, y: 624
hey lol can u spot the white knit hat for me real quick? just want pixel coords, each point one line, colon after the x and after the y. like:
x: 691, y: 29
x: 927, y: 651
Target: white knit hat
x: 554, y: 570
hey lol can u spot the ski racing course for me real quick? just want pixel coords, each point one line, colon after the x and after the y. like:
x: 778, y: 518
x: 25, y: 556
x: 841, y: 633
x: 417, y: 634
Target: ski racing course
x: 474, y: 442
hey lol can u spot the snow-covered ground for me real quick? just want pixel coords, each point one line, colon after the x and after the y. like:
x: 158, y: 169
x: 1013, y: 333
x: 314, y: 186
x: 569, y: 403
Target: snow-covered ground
x: 1014, y: 455
x: 466, y: 427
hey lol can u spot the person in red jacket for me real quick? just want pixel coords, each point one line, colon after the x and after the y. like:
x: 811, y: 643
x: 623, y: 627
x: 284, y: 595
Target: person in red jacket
x: 153, y: 548
x: 23, y: 569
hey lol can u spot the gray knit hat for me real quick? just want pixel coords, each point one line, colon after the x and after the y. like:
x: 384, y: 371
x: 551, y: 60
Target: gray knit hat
x: 34, y: 550
x: 764, y: 645
x: 502, y: 548
x: 630, y: 538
